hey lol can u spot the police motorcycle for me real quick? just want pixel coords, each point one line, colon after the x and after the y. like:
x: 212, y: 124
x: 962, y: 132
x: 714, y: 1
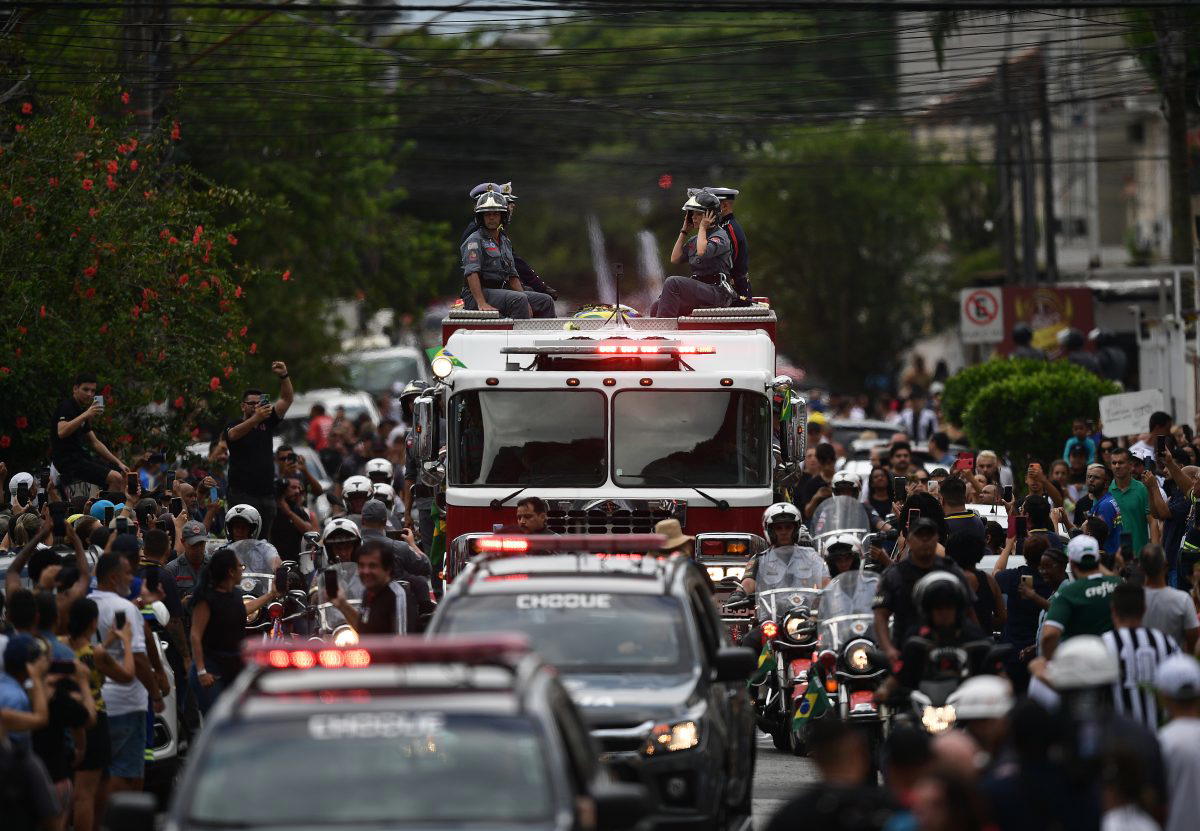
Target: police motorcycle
x: 257, y: 556
x: 944, y: 667
x: 787, y: 595
x: 852, y: 666
x: 838, y: 516
x: 340, y: 540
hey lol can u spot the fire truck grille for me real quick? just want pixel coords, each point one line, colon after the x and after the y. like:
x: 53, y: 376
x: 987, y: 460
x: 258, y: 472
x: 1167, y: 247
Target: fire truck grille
x: 611, y: 517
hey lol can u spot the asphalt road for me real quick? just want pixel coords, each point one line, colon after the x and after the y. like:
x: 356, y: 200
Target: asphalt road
x: 777, y: 777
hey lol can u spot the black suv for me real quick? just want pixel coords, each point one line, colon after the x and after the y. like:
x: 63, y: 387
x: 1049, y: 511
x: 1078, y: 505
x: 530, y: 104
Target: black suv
x: 394, y: 732
x: 639, y: 643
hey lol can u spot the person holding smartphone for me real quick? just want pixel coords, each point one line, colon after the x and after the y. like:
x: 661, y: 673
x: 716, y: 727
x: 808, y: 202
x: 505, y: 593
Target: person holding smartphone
x: 92, y: 462
x: 709, y: 253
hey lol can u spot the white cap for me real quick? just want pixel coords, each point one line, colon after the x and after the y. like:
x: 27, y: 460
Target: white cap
x: 1081, y: 662
x: 22, y: 478
x: 984, y: 696
x: 1178, y: 677
x: 1082, y: 547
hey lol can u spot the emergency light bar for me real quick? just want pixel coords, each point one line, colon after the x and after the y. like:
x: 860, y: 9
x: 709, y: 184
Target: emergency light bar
x: 502, y: 650
x: 573, y: 543
x: 600, y: 347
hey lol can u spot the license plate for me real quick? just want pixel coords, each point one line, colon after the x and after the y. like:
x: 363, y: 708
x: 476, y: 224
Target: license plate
x: 862, y: 700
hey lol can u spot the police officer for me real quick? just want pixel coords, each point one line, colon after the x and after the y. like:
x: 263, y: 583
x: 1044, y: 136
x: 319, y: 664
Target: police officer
x: 710, y: 255
x: 1022, y: 335
x: 491, y: 277
x: 529, y: 278
x: 741, y: 250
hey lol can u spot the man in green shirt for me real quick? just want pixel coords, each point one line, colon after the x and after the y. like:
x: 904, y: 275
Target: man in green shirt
x: 1080, y: 607
x: 1134, y: 499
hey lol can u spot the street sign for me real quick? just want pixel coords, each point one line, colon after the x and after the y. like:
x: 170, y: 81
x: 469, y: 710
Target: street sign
x: 1128, y: 413
x: 981, y: 315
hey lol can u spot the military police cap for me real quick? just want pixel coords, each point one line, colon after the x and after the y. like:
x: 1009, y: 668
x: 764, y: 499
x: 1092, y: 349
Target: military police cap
x: 724, y: 193
x: 484, y: 187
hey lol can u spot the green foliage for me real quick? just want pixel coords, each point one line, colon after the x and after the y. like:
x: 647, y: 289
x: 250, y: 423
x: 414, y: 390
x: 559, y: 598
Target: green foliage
x: 1026, y: 413
x: 114, y: 261
x: 964, y: 385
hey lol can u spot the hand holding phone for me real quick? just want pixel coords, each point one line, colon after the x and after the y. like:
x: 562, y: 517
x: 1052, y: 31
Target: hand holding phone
x: 58, y: 514
x: 108, y: 515
x: 122, y: 525
x: 23, y: 494
x: 1027, y: 580
x: 913, y: 515
x: 1008, y: 493
x: 899, y: 488
x: 1022, y: 527
x: 176, y: 506
x: 119, y: 621
x: 281, y: 580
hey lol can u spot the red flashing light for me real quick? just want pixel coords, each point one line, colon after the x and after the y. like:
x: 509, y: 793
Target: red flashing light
x: 697, y: 350
x: 279, y: 658
x: 331, y: 658
x: 770, y: 630
x: 646, y: 382
x: 303, y: 659
x: 572, y: 543
x: 497, y: 649
x: 506, y: 545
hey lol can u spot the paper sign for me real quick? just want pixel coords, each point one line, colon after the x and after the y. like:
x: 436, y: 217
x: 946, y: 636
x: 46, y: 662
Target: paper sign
x: 981, y: 315
x: 1128, y: 413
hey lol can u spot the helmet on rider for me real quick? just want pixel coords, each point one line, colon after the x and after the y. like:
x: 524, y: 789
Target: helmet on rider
x: 783, y: 514
x: 702, y: 202
x: 1082, y: 662
x: 379, y: 470
x: 243, y: 522
x: 845, y: 483
x: 384, y: 493
x: 356, y: 491
x: 490, y: 201
x: 341, y: 538
x: 941, y: 599
x: 843, y: 553
x: 413, y: 388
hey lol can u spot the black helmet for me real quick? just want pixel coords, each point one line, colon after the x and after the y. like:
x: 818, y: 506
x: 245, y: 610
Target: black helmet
x: 702, y: 202
x: 939, y: 589
x: 1022, y: 334
x: 413, y: 388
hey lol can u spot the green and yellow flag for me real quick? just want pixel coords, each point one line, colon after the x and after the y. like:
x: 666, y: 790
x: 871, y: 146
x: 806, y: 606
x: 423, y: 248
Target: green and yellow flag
x: 766, y: 665
x: 815, y: 702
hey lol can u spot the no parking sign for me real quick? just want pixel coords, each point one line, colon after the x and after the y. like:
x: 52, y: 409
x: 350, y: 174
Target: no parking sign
x: 981, y: 315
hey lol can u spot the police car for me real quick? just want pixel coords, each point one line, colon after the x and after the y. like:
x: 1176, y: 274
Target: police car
x: 639, y: 642
x: 393, y: 732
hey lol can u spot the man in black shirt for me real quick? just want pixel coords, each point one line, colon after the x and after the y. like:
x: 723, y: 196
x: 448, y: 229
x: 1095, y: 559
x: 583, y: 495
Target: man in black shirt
x: 959, y: 520
x: 72, y: 425
x: 411, y: 567
x: 292, y: 522
x: 378, y: 614
x: 817, y: 489
x: 251, y: 461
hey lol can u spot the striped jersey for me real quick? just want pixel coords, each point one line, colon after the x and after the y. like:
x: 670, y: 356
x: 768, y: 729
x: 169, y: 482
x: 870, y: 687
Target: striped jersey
x: 1139, y: 651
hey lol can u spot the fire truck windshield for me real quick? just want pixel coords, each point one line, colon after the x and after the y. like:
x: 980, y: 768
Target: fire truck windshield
x: 527, y: 437
x: 716, y: 438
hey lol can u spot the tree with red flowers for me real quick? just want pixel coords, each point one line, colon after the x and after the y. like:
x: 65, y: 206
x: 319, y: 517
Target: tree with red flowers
x: 116, y: 261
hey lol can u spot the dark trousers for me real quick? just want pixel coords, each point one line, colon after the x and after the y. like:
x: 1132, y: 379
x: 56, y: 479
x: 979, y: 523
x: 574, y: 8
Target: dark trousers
x: 682, y: 295
x: 518, y: 305
x: 265, y: 505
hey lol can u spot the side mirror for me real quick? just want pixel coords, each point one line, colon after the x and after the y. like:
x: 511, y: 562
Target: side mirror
x: 734, y: 663
x: 130, y: 811
x: 620, y: 805
x: 425, y: 426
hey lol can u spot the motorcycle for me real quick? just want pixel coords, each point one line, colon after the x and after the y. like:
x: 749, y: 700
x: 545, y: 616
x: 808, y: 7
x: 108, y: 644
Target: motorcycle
x: 291, y: 615
x: 945, y: 669
x: 848, y: 653
x: 836, y: 516
x: 331, y: 624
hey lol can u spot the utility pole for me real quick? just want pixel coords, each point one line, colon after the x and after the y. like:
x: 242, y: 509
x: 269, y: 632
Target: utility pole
x: 1172, y: 52
x: 1028, y: 202
x: 1048, y: 220
x: 146, y: 59
x: 1004, y: 174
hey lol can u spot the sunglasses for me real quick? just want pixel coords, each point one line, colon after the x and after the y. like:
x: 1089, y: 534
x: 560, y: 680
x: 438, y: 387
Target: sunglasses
x: 291, y: 457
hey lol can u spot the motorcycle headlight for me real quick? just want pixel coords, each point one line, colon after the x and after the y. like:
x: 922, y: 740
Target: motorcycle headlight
x: 938, y: 719
x: 793, y: 627
x: 858, y: 659
x: 666, y: 738
x: 249, y: 584
x: 345, y: 636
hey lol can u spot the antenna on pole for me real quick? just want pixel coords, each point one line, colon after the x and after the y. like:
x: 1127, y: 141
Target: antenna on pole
x: 618, y: 271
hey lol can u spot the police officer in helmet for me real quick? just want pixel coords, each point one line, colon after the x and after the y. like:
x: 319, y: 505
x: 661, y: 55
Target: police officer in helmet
x: 741, y: 249
x: 492, y: 283
x: 710, y: 255
x: 529, y: 278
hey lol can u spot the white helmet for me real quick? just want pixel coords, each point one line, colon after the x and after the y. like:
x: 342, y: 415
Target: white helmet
x: 340, y: 527
x: 851, y: 540
x: 356, y: 486
x: 780, y: 512
x: 245, y: 513
x: 490, y: 200
x: 843, y: 477
x: 379, y: 467
x: 984, y: 696
x: 384, y: 493
x: 1081, y: 662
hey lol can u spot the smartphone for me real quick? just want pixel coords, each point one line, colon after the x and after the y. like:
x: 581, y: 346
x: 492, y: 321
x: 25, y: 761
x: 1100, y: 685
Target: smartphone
x: 281, y: 579
x: 41, y: 500
x: 22, y: 494
x: 967, y: 456
x: 62, y: 668
x: 1126, y: 545
x: 58, y: 513
x: 1008, y: 493
x: 122, y: 525
x: 44, y: 480
x: 331, y: 583
x: 1161, y: 441
x: 913, y: 515
x: 98, y: 400
x: 264, y: 400
x: 213, y: 495
x: 108, y: 515
x: 963, y: 464
x: 131, y: 483
x: 1027, y: 579
x: 899, y: 488
x: 176, y: 506
x: 119, y: 620
x: 1022, y: 527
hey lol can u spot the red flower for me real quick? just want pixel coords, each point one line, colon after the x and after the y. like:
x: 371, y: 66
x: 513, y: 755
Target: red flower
x: 110, y: 182
x: 22, y: 330
x: 665, y: 181
x: 87, y: 184
x: 228, y: 334
x: 166, y: 321
x: 231, y: 239
x: 196, y: 235
x: 133, y: 165
x: 22, y: 422
x: 42, y: 311
x: 53, y: 181
x: 228, y: 371
x: 124, y: 97
x: 92, y: 123
x: 20, y: 128
x: 78, y: 155
x: 18, y: 201
x: 90, y: 293
x: 112, y: 166
x: 125, y: 439
x: 5, y: 441
x: 242, y: 332
x: 172, y: 241
x: 179, y: 403
x: 183, y: 280
x: 147, y: 195
x: 162, y: 354
x: 103, y: 328
x: 93, y: 212
x: 175, y: 134
x: 164, y: 233
x: 253, y: 348
x: 26, y: 108
x: 90, y: 272
x: 214, y: 383
x: 287, y: 275
x: 135, y: 311
x: 223, y: 305
x: 203, y: 285
x: 133, y: 144
x: 237, y: 292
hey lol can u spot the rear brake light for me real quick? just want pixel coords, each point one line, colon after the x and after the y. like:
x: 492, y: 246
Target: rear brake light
x: 770, y: 629
x: 304, y: 660
x: 504, y: 544
x: 712, y: 547
x: 828, y: 659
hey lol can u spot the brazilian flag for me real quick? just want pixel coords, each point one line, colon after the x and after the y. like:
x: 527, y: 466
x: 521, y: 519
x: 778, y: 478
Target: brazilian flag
x: 766, y: 665
x: 815, y: 702
x: 437, y: 548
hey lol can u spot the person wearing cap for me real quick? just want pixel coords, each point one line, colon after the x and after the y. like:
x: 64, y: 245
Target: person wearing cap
x: 24, y: 698
x: 1178, y: 683
x: 1080, y: 607
x: 677, y: 541
x: 710, y: 256
x: 529, y: 278
x: 191, y: 538
x: 489, y: 269
x: 1022, y: 337
x: 741, y: 249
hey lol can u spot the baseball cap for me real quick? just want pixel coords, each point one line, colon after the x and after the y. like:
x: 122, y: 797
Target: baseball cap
x: 1083, y: 550
x: 98, y: 508
x: 923, y: 523
x: 19, y: 479
x: 1145, y: 456
x: 1178, y: 677
x: 194, y: 532
x: 20, y: 650
x: 374, y: 511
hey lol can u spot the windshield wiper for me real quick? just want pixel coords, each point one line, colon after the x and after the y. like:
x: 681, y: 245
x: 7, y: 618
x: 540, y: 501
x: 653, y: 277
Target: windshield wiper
x: 721, y: 504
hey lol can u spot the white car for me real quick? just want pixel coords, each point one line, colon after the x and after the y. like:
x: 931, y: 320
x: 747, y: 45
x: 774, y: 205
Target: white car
x: 376, y: 371
x: 355, y: 404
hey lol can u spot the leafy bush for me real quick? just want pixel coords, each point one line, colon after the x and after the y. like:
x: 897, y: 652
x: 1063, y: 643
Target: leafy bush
x: 112, y: 260
x: 964, y: 385
x: 1027, y: 414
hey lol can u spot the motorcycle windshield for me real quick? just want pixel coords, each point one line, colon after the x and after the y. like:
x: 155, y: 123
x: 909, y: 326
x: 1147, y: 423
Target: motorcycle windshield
x: 850, y: 593
x: 349, y: 586
x: 773, y: 603
x: 839, y: 513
